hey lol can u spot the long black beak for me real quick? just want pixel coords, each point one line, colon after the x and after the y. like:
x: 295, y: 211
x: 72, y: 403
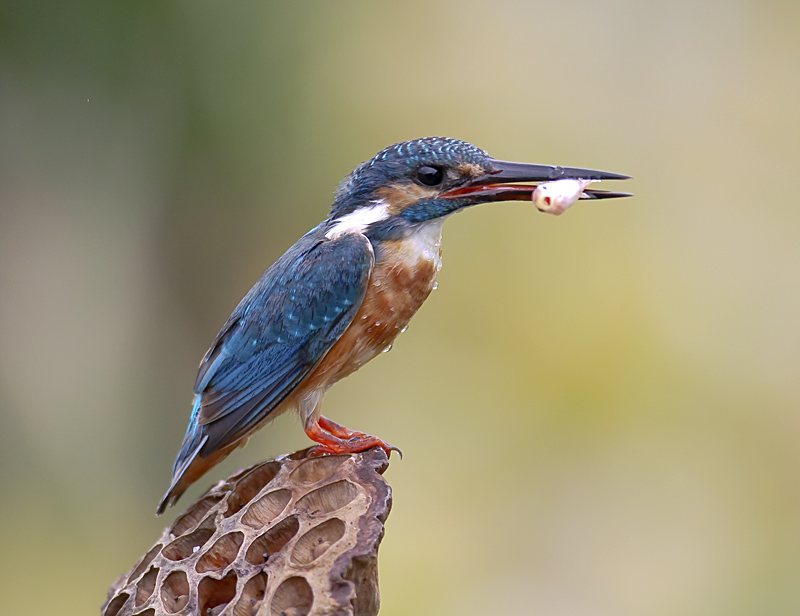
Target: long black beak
x: 498, y: 184
x: 506, y: 171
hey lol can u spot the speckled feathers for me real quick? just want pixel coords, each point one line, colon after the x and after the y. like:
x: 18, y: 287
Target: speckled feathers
x: 398, y: 162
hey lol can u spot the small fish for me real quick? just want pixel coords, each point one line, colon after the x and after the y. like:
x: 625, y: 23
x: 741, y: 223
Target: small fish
x: 556, y: 197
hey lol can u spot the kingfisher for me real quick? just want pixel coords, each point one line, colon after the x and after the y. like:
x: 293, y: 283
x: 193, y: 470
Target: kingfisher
x: 340, y: 295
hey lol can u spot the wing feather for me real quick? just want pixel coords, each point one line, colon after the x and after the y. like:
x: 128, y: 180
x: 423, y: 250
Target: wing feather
x: 278, y: 333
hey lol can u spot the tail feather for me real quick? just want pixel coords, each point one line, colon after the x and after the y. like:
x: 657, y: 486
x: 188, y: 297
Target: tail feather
x: 181, y: 477
x: 191, y: 464
x: 186, y: 469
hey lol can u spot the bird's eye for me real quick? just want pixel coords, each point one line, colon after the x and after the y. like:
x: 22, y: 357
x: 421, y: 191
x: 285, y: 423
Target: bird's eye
x: 430, y: 176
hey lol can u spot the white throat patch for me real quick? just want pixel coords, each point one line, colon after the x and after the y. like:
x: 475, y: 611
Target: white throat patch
x: 358, y: 221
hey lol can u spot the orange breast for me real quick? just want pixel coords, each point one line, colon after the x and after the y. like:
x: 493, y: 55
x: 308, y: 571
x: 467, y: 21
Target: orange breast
x: 401, y: 280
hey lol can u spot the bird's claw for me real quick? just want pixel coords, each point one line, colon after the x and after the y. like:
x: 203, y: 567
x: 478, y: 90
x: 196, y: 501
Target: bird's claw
x: 356, y: 444
x: 334, y: 438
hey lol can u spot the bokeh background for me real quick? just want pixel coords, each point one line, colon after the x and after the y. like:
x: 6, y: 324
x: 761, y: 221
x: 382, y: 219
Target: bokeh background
x: 600, y: 412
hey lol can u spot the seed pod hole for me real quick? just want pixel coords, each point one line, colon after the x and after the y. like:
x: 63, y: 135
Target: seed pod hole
x: 252, y: 596
x: 113, y: 608
x: 317, y: 469
x: 267, y: 508
x: 185, y: 546
x: 272, y: 541
x: 175, y: 592
x: 317, y: 541
x: 294, y: 596
x: 145, y: 586
x: 145, y: 562
x: 214, y: 595
x: 250, y: 485
x: 221, y: 554
x: 189, y: 520
x: 328, y: 498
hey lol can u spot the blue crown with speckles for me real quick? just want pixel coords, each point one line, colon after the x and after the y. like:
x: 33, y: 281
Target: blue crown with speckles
x: 398, y: 161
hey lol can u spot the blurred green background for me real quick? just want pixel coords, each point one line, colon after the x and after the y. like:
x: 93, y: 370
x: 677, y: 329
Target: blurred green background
x: 600, y: 412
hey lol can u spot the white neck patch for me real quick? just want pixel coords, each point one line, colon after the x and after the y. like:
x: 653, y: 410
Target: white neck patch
x: 358, y: 221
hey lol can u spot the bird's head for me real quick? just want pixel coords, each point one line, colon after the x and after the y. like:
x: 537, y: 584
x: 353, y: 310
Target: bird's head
x: 426, y: 179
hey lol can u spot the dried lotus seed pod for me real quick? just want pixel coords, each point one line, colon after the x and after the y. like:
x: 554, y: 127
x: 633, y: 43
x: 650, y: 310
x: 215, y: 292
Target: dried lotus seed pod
x: 295, y: 536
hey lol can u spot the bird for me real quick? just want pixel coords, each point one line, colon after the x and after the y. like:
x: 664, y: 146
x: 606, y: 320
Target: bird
x: 341, y: 294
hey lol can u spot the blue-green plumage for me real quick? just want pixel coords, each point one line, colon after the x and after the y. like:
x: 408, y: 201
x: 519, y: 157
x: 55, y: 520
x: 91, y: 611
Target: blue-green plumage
x: 277, y: 333
x: 291, y: 317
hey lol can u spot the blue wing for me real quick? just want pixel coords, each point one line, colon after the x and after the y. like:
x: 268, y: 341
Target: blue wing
x: 275, y: 336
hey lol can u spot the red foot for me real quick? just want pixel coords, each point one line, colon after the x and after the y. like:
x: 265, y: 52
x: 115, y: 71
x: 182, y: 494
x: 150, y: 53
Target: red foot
x: 334, y: 438
x: 338, y: 429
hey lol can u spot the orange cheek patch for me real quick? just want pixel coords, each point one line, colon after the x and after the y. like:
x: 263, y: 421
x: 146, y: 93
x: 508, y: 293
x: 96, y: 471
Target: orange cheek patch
x: 471, y: 170
x: 400, y: 195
